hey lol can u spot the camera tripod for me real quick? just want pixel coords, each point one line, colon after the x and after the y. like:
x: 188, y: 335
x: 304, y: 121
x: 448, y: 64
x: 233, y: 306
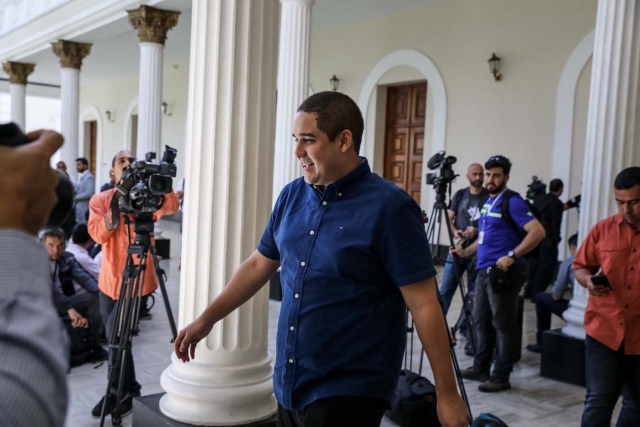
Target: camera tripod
x: 128, y: 309
x: 439, y: 214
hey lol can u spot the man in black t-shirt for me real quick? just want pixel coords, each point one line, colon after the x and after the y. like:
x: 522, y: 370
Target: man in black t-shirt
x: 463, y: 214
x: 542, y: 267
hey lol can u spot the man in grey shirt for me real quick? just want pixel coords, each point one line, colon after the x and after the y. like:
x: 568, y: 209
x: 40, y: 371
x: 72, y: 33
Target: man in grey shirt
x: 33, y: 354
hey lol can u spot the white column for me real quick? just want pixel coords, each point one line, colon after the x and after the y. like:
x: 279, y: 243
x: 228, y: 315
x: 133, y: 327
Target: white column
x: 70, y: 110
x: 18, y: 73
x: 150, y: 99
x: 293, y: 84
x: 18, y: 95
x: 152, y: 25
x: 70, y: 55
x: 230, y: 130
x: 612, y: 139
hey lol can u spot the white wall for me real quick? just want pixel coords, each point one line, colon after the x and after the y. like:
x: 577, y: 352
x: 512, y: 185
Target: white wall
x: 514, y: 117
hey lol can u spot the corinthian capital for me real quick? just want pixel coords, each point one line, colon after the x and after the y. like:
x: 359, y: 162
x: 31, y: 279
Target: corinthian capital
x: 152, y: 24
x: 71, y: 54
x: 18, y: 71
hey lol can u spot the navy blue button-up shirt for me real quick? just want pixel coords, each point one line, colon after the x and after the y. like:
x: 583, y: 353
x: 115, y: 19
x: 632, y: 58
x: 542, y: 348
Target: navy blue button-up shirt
x: 343, y: 255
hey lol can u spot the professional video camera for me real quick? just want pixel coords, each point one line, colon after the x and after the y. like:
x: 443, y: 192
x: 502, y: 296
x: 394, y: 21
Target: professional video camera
x: 144, y: 183
x: 575, y: 202
x: 445, y: 175
x: 536, y: 188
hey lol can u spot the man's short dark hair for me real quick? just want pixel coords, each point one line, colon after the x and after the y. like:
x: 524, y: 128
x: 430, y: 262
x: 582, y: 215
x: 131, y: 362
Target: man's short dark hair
x: 54, y: 232
x: 498, y: 161
x: 628, y: 178
x: 83, y: 161
x: 336, y: 112
x: 80, y: 234
x: 555, y: 185
x: 573, y: 240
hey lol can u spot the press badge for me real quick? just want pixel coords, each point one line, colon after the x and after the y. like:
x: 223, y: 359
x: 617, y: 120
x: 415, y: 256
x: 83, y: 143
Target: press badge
x: 480, y: 237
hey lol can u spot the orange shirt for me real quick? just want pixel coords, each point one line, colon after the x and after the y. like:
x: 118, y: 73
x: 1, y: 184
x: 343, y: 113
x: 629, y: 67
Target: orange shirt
x: 614, y: 246
x: 115, y: 243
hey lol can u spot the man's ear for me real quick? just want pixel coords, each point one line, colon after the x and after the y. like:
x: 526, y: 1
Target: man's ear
x: 346, y: 140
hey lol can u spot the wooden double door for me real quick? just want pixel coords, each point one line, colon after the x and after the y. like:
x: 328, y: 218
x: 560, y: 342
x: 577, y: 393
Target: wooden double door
x: 404, y: 136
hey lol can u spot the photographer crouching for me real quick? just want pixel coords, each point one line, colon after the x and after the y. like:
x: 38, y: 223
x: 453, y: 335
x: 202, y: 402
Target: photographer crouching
x: 109, y: 229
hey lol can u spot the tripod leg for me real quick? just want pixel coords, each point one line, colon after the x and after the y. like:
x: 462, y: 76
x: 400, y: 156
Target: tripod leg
x: 165, y: 298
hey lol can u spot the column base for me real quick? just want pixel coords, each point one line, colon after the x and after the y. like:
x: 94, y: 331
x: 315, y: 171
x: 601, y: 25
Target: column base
x: 146, y: 413
x: 562, y: 358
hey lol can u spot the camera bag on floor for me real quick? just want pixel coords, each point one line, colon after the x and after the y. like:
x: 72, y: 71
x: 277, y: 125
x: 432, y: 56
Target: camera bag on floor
x: 82, y: 345
x: 414, y: 404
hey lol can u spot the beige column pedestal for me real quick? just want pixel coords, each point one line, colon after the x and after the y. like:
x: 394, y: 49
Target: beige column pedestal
x: 613, y: 134
x: 152, y: 25
x: 18, y: 73
x: 230, y: 130
x: 71, y: 55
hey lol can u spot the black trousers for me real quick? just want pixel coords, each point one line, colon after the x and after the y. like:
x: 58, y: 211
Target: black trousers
x: 339, y: 411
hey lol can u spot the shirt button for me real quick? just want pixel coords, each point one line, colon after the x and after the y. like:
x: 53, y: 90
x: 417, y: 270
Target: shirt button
x: 324, y: 203
x: 339, y: 194
x: 290, y: 360
x: 312, y: 232
x: 296, y: 296
x: 303, y: 263
x: 291, y: 328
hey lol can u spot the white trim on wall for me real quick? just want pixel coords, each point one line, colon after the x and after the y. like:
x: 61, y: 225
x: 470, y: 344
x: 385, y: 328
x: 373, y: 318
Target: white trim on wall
x: 126, y: 140
x: 422, y: 63
x: 89, y: 113
x: 565, y: 112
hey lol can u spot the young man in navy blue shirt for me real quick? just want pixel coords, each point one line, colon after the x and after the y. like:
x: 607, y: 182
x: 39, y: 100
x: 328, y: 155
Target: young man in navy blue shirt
x: 501, y: 274
x: 352, y: 250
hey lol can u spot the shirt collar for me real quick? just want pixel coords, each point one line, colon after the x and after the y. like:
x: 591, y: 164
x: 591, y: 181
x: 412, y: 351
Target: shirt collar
x: 350, y: 180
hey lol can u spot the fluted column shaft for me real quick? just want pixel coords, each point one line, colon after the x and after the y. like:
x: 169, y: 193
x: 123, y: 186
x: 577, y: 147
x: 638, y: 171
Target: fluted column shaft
x: 150, y: 99
x: 293, y: 84
x: 152, y: 25
x: 613, y: 138
x: 18, y: 94
x: 71, y: 55
x: 18, y: 73
x: 230, y: 130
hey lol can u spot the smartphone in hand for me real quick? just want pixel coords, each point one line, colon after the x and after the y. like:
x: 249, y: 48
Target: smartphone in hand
x: 600, y: 280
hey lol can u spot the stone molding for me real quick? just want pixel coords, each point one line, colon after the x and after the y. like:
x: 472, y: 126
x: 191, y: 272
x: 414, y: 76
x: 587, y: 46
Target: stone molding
x: 18, y: 71
x: 71, y: 53
x: 152, y: 24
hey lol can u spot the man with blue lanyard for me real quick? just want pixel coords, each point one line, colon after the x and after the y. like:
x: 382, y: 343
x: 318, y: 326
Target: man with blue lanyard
x: 353, y: 251
x: 501, y: 274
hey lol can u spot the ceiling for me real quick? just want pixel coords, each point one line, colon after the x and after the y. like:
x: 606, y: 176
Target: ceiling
x: 114, y: 45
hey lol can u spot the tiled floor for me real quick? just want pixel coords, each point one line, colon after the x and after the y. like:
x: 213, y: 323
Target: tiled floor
x: 532, y: 401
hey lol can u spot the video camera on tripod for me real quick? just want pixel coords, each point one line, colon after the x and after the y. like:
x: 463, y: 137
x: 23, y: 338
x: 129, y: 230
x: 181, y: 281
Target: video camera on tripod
x: 444, y: 175
x: 144, y: 183
x: 536, y: 188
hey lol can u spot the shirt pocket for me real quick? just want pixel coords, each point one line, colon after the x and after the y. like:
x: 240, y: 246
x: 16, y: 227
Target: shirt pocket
x: 613, y: 254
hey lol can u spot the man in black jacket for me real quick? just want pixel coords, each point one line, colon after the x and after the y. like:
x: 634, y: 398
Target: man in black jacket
x: 75, y: 291
x: 542, y: 267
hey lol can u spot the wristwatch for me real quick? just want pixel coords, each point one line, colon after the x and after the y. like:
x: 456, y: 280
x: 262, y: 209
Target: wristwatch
x: 512, y: 255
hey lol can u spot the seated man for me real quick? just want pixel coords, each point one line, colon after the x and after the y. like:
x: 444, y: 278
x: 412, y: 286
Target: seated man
x: 75, y: 291
x: 554, y: 301
x: 79, y: 246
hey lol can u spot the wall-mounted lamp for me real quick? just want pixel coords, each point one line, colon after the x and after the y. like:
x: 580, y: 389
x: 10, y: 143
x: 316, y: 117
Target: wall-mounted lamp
x: 165, y: 109
x: 494, y: 66
x: 334, y: 82
x: 110, y: 116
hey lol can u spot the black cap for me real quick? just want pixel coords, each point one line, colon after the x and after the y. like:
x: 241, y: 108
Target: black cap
x: 499, y: 161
